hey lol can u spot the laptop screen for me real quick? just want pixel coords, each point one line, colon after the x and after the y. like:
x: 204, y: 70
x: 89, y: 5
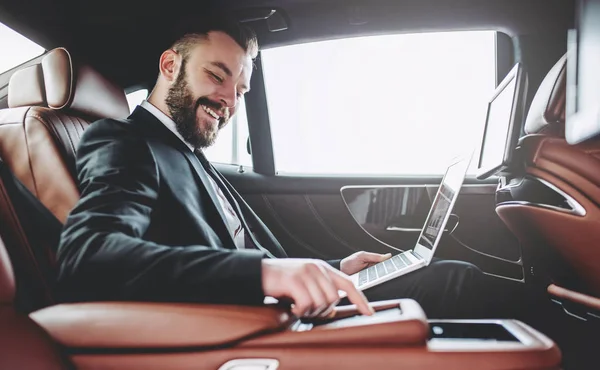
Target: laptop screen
x: 443, y: 203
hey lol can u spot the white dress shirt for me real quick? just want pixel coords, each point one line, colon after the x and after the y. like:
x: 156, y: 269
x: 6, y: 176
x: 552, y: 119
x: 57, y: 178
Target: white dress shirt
x: 233, y: 222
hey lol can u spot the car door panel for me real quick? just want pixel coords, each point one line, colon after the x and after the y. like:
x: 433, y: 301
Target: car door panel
x: 326, y: 218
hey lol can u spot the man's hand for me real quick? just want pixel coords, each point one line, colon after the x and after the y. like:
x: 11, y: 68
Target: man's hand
x: 361, y: 260
x: 311, y: 284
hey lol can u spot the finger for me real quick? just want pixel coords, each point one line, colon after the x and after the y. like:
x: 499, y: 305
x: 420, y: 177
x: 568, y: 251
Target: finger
x: 301, y: 297
x: 329, y: 290
x: 329, y: 287
x: 375, y: 257
x: 329, y: 312
x: 316, y: 290
x: 354, y: 295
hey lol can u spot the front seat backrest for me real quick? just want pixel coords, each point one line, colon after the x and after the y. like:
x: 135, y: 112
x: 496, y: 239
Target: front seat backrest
x: 50, y: 105
x: 561, y: 213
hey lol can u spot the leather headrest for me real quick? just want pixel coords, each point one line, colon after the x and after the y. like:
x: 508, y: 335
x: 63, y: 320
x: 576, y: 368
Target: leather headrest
x: 72, y: 86
x: 7, y: 279
x: 26, y: 87
x: 547, y: 112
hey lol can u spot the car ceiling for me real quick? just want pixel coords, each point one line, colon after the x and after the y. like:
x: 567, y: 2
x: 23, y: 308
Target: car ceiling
x: 123, y: 38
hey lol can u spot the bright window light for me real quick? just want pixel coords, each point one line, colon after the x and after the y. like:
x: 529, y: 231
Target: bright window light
x: 379, y: 105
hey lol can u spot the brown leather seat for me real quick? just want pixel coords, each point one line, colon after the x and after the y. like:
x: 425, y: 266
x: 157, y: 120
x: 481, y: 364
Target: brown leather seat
x: 560, y: 211
x: 23, y: 344
x: 50, y: 105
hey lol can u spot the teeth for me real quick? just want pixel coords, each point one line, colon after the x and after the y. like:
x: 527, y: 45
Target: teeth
x: 211, y: 112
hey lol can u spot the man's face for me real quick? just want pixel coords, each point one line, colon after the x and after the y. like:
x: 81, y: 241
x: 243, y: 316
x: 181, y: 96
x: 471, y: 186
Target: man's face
x: 207, y: 90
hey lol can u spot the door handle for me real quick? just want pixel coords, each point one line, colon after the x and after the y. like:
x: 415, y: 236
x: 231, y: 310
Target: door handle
x: 451, y: 225
x: 403, y: 229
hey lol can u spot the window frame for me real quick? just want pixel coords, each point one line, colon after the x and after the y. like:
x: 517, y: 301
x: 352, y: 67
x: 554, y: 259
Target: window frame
x: 260, y: 126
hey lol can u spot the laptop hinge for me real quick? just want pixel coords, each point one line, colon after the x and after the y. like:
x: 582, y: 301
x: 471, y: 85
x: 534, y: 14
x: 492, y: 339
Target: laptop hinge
x: 417, y: 254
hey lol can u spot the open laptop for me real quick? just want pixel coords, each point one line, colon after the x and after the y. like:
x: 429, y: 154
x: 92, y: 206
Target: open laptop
x: 421, y: 255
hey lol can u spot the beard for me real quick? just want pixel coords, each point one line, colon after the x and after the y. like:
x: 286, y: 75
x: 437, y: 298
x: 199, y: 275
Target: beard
x: 184, y: 109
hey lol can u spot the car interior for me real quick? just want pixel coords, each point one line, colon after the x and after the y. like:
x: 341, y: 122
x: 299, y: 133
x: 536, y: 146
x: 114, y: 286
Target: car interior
x: 356, y: 108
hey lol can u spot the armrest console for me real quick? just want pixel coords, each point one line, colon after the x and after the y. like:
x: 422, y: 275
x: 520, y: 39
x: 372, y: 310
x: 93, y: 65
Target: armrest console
x: 156, y: 325
x: 156, y: 336
x: 396, y: 323
x: 129, y: 325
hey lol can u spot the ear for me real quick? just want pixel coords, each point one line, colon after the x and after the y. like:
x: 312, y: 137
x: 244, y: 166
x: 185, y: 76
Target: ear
x: 169, y: 64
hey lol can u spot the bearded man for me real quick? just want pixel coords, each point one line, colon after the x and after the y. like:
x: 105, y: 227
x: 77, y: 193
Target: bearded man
x: 157, y: 222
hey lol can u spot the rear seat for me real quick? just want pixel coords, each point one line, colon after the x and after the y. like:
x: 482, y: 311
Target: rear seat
x: 50, y: 106
x: 23, y: 344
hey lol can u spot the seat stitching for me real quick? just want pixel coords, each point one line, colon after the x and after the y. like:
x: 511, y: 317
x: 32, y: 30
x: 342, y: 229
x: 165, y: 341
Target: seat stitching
x: 29, y: 155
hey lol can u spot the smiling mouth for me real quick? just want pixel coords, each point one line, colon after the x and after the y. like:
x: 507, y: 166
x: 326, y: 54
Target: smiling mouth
x: 210, y: 112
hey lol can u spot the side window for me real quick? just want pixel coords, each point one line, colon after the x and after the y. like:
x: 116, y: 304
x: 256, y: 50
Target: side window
x: 379, y: 105
x: 16, y: 49
x: 230, y: 146
x: 136, y: 97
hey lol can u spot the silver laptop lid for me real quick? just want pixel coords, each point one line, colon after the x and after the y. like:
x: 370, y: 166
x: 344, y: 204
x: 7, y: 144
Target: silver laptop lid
x: 441, y: 208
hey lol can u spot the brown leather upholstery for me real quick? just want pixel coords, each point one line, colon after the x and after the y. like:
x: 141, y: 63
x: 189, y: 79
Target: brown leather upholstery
x: 572, y: 169
x: 80, y: 88
x: 342, y: 358
x: 27, y: 87
x: 574, y: 237
x: 157, y: 325
x: 184, y: 336
x: 51, y: 104
x: 23, y: 344
x: 39, y: 142
x: 125, y: 325
x: 7, y: 280
x: 576, y: 165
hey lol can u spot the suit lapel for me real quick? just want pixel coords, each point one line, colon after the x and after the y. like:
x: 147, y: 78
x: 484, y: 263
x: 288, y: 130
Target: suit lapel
x: 203, y: 176
x: 152, y: 124
x: 234, y: 203
x: 238, y: 202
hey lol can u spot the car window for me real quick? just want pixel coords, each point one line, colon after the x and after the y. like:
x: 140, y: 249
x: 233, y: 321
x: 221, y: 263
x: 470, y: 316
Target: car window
x: 136, y: 97
x: 230, y: 146
x: 16, y: 49
x: 389, y: 104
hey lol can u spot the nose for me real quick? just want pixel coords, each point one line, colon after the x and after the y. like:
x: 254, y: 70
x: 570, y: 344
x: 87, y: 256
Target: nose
x: 228, y: 96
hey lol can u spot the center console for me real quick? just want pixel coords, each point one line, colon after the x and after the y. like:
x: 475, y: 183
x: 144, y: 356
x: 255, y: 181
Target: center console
x: 397, y: 336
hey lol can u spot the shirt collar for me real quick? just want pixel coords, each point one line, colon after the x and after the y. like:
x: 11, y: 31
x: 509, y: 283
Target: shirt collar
x: 166, y: 120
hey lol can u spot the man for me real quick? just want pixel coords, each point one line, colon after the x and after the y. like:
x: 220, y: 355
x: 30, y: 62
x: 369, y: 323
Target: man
x: 157, y: 222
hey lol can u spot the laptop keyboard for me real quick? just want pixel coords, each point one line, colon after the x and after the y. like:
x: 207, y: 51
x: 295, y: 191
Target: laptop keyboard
x: 381, y: 269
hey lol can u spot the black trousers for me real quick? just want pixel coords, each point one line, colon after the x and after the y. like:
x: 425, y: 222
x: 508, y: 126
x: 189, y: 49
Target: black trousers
x: 444, y: 289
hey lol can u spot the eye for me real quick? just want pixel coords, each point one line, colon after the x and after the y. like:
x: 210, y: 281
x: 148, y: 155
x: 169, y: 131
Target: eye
x: 216, y: 77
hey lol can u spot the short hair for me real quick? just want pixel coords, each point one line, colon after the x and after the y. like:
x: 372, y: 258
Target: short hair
x: 191, y: 31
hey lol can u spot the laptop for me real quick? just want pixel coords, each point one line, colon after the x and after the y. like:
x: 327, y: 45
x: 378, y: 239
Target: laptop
x: 422, y: 254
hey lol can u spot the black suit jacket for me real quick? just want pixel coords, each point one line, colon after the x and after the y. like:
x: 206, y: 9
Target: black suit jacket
x: 149, y: 225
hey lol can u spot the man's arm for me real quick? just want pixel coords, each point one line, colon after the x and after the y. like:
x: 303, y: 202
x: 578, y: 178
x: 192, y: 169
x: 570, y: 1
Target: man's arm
x: 102, y: 254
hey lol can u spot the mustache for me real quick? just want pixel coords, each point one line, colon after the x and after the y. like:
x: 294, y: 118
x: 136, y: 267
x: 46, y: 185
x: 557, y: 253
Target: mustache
x: 217, y: 107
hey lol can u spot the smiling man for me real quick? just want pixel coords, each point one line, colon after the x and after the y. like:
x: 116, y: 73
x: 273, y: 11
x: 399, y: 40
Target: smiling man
x: 157, y: 222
